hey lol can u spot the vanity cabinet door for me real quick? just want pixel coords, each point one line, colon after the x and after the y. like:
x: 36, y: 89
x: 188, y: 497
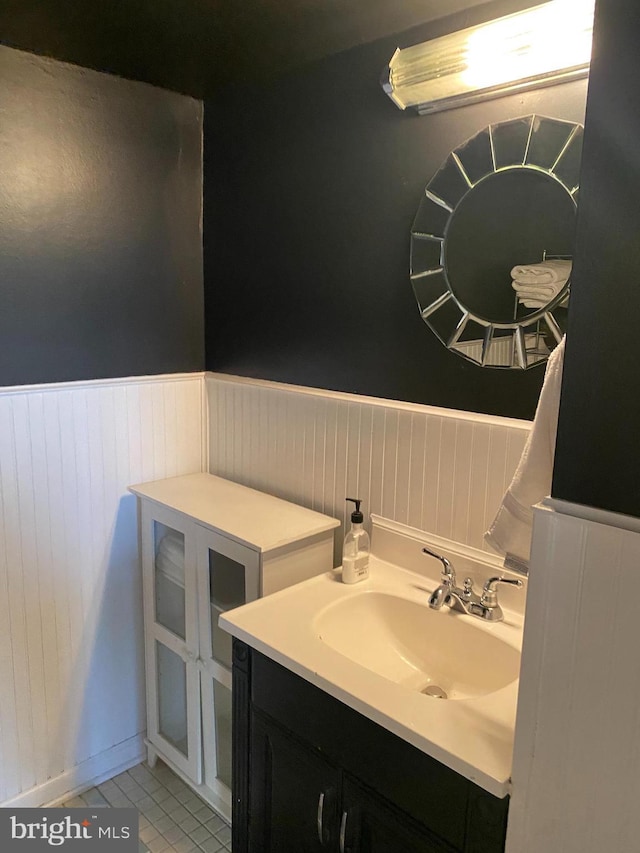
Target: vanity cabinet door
x: 370, y: 824
x: 294, y: 795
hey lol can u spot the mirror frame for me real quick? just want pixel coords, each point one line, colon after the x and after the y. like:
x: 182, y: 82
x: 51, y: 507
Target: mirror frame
x: 528, y: 340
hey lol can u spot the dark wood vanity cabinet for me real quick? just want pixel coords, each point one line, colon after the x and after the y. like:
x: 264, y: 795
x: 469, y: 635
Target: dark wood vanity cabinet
x: 314, y: 776
x: 293, y: 793
x: 299, y: 802
x: 370, y: 824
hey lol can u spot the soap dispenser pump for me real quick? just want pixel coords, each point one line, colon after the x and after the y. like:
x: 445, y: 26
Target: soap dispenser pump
x: 355, y: 553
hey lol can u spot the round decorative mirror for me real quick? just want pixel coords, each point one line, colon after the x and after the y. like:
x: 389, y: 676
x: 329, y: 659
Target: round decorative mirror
x: 492, y: 242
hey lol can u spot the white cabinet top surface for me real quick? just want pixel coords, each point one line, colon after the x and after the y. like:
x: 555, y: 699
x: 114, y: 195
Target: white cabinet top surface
x: 256, y: 519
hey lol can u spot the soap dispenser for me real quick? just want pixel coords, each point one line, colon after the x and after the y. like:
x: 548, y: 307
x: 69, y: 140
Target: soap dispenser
x: 355, y: 552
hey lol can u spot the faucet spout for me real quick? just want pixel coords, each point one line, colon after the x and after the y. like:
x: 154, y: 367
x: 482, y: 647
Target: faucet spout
x: 439, y: 596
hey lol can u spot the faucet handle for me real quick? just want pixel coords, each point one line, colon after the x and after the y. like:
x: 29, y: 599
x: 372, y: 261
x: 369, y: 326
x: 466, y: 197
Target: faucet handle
x: 489, y: 592
x: 448, y: 572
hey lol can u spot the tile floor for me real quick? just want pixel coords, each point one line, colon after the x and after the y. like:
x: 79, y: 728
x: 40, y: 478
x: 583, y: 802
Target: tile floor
x: 172, y: 818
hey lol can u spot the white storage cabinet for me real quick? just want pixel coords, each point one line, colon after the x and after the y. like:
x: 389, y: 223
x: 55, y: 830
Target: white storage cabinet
x: 209, y: 545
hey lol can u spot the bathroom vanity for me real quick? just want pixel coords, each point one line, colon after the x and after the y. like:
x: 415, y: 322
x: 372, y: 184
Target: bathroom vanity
x: 209, y: 545
x: 312, y: 774
x: 340, y: 743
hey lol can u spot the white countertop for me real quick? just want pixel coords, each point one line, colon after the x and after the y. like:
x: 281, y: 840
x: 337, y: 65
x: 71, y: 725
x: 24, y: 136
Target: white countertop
x: 472, y: 736
x: 253, y: 518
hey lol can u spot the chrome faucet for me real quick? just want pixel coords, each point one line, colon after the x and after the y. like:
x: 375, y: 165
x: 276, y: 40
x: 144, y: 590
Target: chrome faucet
x: 448, y: 581
x: 465, y: 600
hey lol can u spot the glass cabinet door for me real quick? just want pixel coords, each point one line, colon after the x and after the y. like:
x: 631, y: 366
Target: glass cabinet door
x: 169, y: 577
x: 216, y: 709
x: 173, y: 722
x: 228, y: 577
x: 227, y: 589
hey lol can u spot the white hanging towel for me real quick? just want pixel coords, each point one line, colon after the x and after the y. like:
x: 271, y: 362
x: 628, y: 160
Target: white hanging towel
x: 510, y: 533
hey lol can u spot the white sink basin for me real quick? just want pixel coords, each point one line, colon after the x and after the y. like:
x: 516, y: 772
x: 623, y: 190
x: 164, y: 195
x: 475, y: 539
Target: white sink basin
x: 377, y: 646
x: 417, y: 647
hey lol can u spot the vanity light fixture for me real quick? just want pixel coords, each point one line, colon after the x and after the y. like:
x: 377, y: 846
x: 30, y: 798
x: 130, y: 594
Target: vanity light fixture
x: 540, y: 46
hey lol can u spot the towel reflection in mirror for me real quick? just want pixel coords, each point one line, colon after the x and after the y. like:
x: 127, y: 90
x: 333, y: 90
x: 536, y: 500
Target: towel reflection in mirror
x: 537, y: 284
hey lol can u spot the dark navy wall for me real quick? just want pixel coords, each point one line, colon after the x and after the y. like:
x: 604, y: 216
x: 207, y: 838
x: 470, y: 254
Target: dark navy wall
x: 597, y: 455
x: 311, y: 186
x: 100, y: 239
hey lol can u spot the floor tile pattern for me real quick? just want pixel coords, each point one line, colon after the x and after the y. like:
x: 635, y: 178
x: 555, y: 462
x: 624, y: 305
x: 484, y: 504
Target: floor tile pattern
x: 172, y: 818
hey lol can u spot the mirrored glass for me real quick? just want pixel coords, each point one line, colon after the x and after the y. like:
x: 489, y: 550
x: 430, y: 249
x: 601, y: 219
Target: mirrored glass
x: 501, y: 259
x: 476, y: 157
x: 548, y: 138
x: 445, y: 320
x: 510, y: 140
x: 425, y: 254
x: 431, y: 218
x: 514, y: 217
x: 567, y: 169
x: 428, y: 289
x: 449, y: 183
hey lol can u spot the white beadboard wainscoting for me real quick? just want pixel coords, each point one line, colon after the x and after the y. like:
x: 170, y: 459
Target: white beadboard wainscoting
x: 576, y: 785
x: 438, y: 470
x: 71, y: 649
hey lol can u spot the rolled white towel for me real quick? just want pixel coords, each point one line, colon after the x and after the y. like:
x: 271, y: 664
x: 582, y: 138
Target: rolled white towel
x: 539, y: 287
x: 546, y: 272
x: 538, y: 291
x: 537, y: 295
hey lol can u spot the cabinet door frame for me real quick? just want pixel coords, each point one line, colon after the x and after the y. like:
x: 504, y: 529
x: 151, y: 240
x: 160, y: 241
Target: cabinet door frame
x: 316, y: 816
x: 210, y: 669
x: 362, y: 808
x: 210, y: 540
x: 186, y: 649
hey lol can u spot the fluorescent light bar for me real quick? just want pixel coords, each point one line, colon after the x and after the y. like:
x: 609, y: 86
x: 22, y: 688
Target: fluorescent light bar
x: 538, y: 47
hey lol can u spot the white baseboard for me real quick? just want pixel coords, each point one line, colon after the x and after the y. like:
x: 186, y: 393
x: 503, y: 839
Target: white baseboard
x: 91, y: 772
